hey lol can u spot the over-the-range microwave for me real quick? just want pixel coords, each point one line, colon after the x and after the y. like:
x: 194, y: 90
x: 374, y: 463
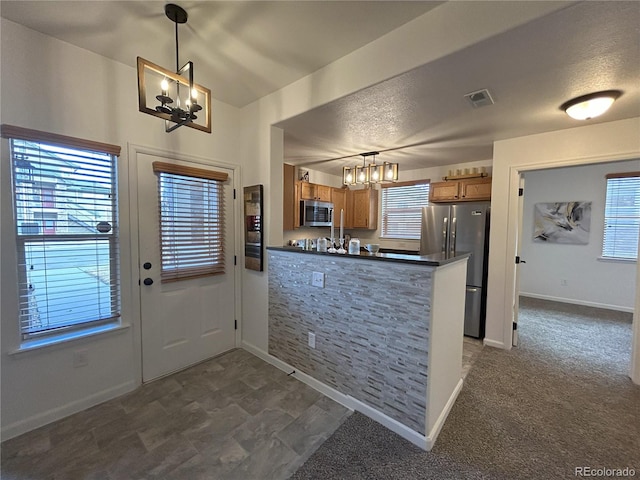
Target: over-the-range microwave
x: 315, y: 214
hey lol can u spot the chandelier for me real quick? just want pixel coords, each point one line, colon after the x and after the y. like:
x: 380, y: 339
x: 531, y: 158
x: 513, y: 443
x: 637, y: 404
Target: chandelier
x: 373, y: 173
x: 176, y: 97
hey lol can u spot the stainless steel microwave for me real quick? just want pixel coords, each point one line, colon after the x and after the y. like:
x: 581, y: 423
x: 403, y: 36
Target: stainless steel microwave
x: 315, y: 214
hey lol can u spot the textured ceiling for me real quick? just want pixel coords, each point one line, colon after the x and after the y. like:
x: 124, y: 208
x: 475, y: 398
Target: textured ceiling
x: 245, y: 49
x: 422, y: 119
x: 419, y: 119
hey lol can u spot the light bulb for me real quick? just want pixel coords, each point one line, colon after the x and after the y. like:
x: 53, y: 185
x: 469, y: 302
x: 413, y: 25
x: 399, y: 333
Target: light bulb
x: 375, y: 174
x: 188, y: 103
x: 194, y: 95
x: 349, y: 177
x: 389, y: 174
x: 164, y: 86
x: 361, y: 177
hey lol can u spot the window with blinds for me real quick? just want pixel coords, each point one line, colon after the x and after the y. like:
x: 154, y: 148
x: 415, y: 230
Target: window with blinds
x: 622, y: 216
x: 402, y: 208
x: 191, y: 204
x: 65, y: 210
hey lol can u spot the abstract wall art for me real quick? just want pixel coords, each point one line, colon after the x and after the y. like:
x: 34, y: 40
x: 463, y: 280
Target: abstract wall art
x: 562, y: 222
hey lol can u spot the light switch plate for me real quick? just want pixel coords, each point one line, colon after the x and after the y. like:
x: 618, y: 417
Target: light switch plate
x: 317, y: 280
x: 312, y: 340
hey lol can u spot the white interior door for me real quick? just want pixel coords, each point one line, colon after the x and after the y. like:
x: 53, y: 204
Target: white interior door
x: 516, y: 297
x: 185, y: 321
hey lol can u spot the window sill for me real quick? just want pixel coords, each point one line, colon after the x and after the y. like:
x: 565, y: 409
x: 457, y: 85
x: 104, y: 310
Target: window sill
x: 63, y: 339
x: 616, y: 260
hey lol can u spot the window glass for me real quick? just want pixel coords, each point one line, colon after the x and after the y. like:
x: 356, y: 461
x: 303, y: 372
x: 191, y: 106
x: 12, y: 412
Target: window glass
x: 67, y: 237
x: 622, y: 217
x: 402, y: 209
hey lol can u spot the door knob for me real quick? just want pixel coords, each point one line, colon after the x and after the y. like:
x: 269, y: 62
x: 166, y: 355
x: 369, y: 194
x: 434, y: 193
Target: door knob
x: 148, y: 281
x: 146, y: 266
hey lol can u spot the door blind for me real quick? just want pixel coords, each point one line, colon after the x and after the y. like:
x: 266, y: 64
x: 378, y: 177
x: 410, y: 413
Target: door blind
x: 66, y: 236
x: 622, y: 216
x: 402, y: 208
x: 191, y: 204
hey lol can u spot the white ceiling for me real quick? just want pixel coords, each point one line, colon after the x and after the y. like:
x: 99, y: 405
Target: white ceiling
x: 421, y: 118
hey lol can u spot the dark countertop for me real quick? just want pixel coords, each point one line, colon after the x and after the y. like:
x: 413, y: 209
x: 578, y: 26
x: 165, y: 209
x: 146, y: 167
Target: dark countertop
x: 432, y: 260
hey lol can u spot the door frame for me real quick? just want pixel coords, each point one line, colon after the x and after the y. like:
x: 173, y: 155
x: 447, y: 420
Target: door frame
x: 514, y: 225
x: 133, y: 234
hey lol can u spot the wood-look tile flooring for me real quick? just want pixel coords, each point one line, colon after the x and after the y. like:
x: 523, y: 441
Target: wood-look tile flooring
x: 232, y: 417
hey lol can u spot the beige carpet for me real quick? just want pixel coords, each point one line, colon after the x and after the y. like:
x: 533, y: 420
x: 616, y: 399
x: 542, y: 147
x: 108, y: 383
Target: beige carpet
x: 560, y: 401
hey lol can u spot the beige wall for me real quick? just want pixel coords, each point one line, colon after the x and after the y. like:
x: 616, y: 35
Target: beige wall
x: 53, y: 86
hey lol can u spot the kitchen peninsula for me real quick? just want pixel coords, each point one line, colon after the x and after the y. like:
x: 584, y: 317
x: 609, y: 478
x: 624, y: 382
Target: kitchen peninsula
x: 383, y: 330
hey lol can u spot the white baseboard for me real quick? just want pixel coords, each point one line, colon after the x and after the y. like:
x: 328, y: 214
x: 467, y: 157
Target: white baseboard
x: 351, y: 403
x: 435, y: 431
x: 44, y: 418
x: 493, y: 343
x: 573, y: 301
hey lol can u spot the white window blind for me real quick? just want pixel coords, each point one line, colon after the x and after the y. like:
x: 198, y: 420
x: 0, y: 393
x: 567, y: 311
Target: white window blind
x: 622, y: 216
x: 65, y: 211
x: 191, y: 221
x: 402, y: 208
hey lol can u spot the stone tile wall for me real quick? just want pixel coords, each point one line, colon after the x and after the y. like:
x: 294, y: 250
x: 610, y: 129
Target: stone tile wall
x: 371, y: 323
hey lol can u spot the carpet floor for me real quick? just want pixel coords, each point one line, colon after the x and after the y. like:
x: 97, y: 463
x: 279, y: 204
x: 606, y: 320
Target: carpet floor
x: 560, y: 401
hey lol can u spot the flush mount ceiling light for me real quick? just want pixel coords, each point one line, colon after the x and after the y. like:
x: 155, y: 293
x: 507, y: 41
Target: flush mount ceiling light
x: 373, y: 173
x: 174, y: 96
x: 591, y: 105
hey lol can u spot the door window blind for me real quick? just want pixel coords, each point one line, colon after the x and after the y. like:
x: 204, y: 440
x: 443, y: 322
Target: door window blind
x: 402, y: 208
x: 622, y: 216
x: 191, y: 209
x: 65, y: 210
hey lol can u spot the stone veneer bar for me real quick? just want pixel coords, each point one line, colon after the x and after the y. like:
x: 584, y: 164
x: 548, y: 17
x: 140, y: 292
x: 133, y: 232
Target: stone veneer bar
x: 376, y: 328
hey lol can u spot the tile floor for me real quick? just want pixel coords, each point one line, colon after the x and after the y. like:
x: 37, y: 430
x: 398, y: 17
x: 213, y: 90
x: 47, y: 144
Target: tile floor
x: 231, y: 417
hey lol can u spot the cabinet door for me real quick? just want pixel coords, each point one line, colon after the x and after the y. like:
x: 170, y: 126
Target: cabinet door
x: 323, y: 193
x: 307, y: 191
x: 290, y: 219
x: 339, y: 200
x: 364, y: 209
x: 443, y: 191
x: 476, y: 189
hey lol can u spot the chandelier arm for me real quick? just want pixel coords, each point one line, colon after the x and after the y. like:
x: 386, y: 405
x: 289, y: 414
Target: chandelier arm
x: 177, y: 58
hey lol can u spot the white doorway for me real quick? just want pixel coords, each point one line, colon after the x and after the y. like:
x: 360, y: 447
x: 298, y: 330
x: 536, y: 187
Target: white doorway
x: 573, y: 273
x: 187, y: 321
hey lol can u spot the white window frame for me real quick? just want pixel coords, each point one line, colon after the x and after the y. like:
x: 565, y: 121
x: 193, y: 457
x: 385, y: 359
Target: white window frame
x: 620, y: 244
x: 107, y: 318
x: 390, y: 228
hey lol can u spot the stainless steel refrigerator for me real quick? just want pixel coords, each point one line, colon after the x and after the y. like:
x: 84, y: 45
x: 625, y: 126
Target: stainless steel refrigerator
x: 462, y: 227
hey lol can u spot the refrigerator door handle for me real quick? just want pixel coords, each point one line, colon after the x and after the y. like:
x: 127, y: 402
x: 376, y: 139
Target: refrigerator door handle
x: 445, y: 227
x: 453, y: 237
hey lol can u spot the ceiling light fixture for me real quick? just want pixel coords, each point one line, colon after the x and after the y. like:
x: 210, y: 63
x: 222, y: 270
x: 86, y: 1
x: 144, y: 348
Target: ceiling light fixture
x: 591, y: 105
x: 373, y: 173
x: 178, y: 96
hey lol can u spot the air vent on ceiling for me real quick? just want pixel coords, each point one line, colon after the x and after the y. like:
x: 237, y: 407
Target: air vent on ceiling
x: 481, y: 98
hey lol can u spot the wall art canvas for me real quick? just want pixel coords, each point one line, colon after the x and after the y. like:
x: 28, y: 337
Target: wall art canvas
x: 562, y: 222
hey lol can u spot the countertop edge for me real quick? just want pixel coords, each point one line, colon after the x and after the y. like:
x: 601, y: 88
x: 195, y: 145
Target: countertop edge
x: 433, y: 260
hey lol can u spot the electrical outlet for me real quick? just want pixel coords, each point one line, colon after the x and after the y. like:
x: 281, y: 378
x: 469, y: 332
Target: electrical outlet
x: 312, y: 340
x: 563, y: 282
x: 80, y: 358
x: 317, y: 280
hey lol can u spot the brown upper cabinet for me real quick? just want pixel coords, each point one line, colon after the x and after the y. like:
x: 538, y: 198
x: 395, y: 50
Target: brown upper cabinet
x: 313, y: 191
x: 363, y: 208
x: 464, y: 190
x: 339, y: 200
